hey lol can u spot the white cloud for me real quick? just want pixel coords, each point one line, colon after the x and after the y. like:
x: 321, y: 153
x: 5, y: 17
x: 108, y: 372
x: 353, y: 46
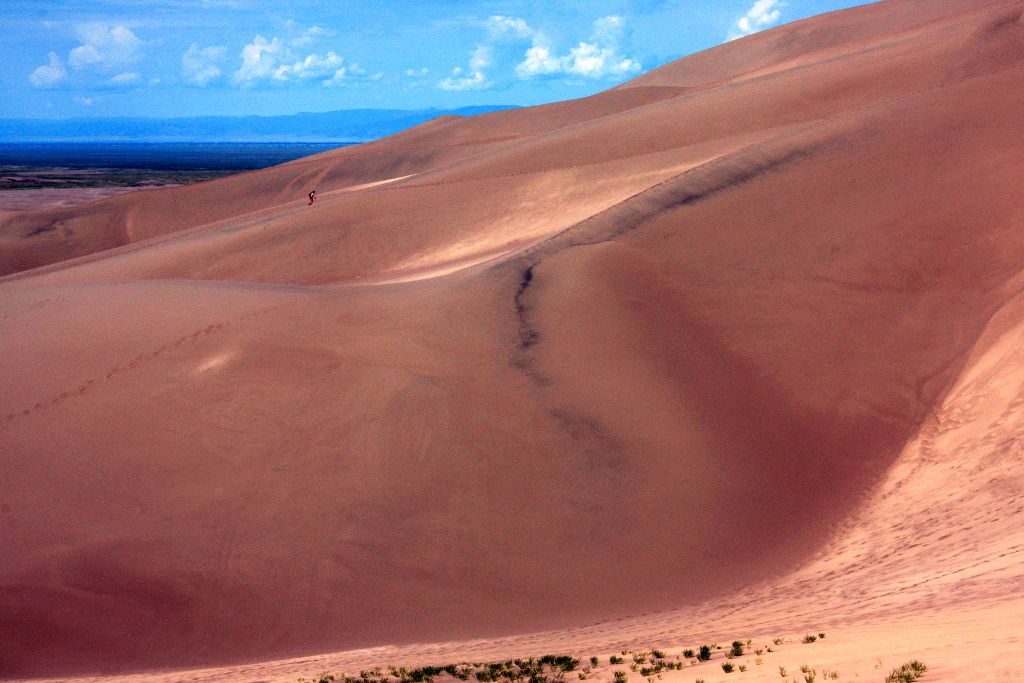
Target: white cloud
x: 272, y: 60
x: 201, y: 65
x: 475, y: 79
x: 126, y: 78
x: 260, y: 59
x: 313, y: 66
x: 49, y: 75
x: 417, y: 73
x: 105, y: 47
x: 539, y: 62
x: 599, y: 58
x: 310, y: 35
x: 594, y: 61
x: 501, y: 26
x: 763, y: 14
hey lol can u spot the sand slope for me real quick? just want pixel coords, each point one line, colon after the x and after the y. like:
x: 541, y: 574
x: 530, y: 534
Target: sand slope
x: 742, y: 318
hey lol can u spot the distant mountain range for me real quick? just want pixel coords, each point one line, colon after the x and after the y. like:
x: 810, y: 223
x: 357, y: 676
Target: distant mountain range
x: 347, y: 125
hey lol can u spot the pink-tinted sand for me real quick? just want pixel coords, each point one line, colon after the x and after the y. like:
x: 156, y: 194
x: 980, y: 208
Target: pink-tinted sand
x: 728, y: 351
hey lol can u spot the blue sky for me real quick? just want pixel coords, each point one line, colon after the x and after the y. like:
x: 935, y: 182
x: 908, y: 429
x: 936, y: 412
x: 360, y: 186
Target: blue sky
x: 232, y: 57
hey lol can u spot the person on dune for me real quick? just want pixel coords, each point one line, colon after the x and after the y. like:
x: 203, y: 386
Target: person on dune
x: 312, y: 197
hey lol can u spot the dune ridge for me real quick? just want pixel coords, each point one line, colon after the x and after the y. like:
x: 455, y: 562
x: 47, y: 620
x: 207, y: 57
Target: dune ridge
x: 695, y: 356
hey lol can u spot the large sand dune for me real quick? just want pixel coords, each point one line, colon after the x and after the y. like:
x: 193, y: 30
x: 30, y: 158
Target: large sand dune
x: 735, y: 345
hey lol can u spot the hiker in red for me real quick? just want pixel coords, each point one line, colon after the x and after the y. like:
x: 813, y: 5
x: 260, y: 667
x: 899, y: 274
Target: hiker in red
x: 312, y: 197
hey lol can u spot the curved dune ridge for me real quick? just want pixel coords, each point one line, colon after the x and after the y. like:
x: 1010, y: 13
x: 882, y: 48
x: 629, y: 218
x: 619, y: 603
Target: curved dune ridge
x: 733, y: 349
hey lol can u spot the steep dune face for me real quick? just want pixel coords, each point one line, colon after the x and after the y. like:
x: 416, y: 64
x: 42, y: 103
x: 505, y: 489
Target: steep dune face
x: 511, y: 372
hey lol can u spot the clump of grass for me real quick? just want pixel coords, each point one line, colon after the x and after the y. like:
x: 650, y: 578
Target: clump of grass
x: 782, y: 671
x: 809, y: 638
x: 658, y: 654
x: 742, y: 668
x: 737, y: 649
x: 689, y: 653
x: 620, y: 676
x: 822, y: 636
x: 593, y: 661
x: 615, y: 659
x: 907, y: 673
x: 727, y: 667
x: 778, y: 641
x: 705, y: 653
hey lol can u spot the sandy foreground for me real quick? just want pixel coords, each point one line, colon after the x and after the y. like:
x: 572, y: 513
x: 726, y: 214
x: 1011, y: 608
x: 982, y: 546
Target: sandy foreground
x: 730, y: 351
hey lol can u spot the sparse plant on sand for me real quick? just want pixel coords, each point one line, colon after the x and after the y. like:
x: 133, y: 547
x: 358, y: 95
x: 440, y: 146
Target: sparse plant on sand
x: 727, y: 667
x: 782, y: 671
x: 907, y: 673
x: 593, y: 661
x: 822, y: 636
x: 620, y: 676
x: 742, y: 667
x: 705, y: 653
x: 688, y: 653
x: 737, y: 649
x: 809, y: 638
x: 778, y: 641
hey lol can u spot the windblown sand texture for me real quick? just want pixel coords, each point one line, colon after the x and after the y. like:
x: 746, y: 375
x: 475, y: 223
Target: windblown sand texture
x: 734, y: 348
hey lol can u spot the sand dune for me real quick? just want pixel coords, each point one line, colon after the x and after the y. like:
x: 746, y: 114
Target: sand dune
x: 729, y: 350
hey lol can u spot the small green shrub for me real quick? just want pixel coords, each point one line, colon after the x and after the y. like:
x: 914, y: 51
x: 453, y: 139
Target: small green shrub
x: 614, y: 659
x: 727, y: 667
x: 705, y: 653
x: 907, y: 673
x: 688, y: 653
x: 620, y: 676
x: 737, y: 649
x: 593, y: 661
x: 809, y: 638
x: 742, y: 667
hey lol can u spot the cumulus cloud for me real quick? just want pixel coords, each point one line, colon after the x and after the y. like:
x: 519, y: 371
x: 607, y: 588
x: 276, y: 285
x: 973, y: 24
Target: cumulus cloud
x: 105, y: 47
x: 201, y: 65
x: 539, y: 62
x: 473, y: 78
x: 310, y: 35
x: 599, y: 58
x: 763, y: 14
x: 126, y: 78
x: 260, y: 60
x: 49, y: 75
x: 273, y: 61
x: 500, y: 26
x: 417, y: 73
x: 313, y: 66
